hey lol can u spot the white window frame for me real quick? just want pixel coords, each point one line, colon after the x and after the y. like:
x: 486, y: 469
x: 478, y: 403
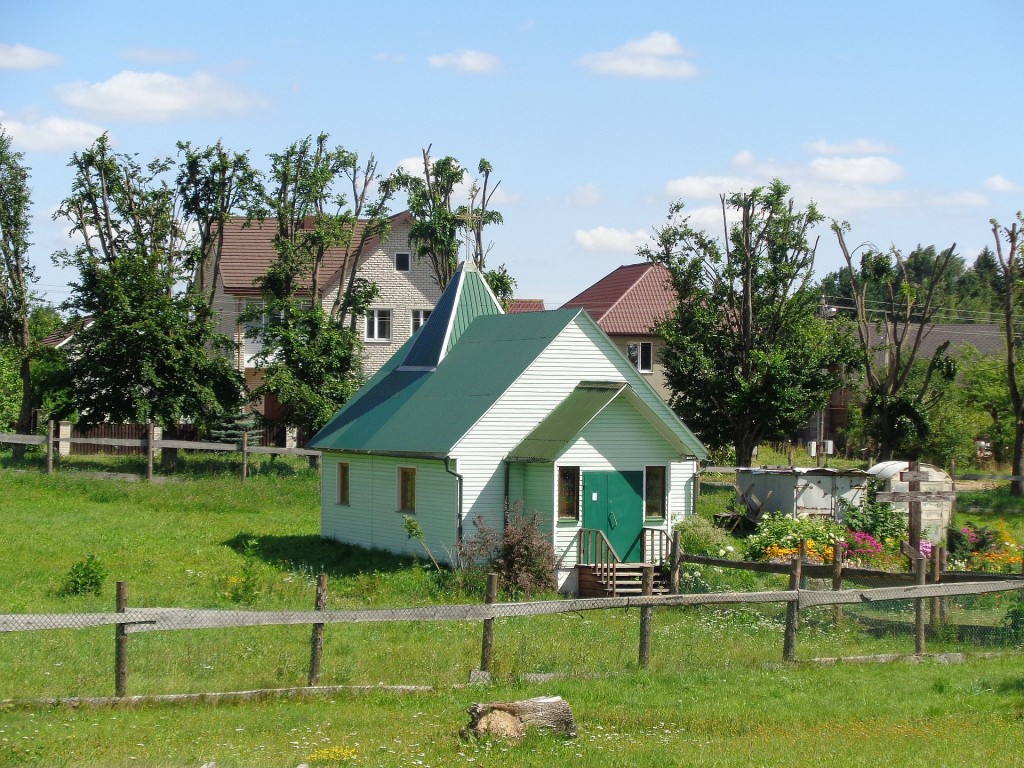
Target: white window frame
x: 373, y: 321
x: 423, y: 314
x: 408, y: 261
x: 635, y: 353
x: 664, y: 492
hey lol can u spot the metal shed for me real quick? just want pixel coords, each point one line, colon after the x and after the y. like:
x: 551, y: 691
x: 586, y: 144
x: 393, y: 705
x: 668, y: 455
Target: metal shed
x: 803, y: 490
x: 935, y: 515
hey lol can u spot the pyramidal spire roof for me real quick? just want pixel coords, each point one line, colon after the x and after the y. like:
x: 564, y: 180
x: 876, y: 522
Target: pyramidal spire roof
x: 466, y: 297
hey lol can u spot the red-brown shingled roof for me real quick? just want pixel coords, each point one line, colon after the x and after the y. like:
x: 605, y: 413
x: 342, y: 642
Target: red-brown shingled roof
x: 249, y: 252
x: 525, y: 305
x: 631, y: 300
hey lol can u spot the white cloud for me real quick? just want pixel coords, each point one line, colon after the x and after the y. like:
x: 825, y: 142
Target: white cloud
x: 606, y: 239
x: 156, y: 96
x: 586, y: 195
x: 855, y: 147
x: 659, y: 55
x: 1001, y: 184
x: 20, y: 56
x: 959, y: 199
x: 857, y: 170
x: 476, y: 62
x: 702, y: 187
x: 159, y: 55
x: 743, y: 159
x: 52, y: 133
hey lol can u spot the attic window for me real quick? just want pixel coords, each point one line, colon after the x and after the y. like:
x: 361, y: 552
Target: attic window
x: 402, y: 262
x: 641, y: 354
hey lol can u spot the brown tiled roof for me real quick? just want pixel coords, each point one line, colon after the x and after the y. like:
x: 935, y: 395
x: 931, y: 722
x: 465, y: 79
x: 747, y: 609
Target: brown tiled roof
x: 631, y: 300
x: 249, y: 252
x: 59, y: 338
x: 525, y: 305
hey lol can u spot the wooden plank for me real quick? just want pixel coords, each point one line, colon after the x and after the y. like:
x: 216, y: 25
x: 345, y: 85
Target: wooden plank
x: 120, y: 441
x: 283, y: 451
x: 914, y: 477
x: 23, y: 439
x: 909, y: 551
x: 925, y: 496
x: 195, y: 445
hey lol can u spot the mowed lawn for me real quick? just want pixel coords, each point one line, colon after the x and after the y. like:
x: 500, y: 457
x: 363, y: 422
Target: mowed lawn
x: 716, y: 693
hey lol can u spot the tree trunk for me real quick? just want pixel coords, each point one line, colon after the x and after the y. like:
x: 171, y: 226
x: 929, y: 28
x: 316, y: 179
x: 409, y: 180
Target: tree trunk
x: 24, y: 425
x: 1017, y: 486
x: 510, y: 719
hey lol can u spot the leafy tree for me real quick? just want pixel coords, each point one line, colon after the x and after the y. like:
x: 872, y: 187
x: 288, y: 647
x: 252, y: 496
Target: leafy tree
x: 150, y: 352
x: 16, y: 274
x: 309, y: 352
x: 1009, y: 254
x: 890, y: 331
x: 440, y: 224
x: 747, y: 357
x: 984, y: 389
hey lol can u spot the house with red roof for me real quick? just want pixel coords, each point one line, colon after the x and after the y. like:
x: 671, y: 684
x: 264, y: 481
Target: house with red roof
x: 628, y: 304
x: 408, y: 290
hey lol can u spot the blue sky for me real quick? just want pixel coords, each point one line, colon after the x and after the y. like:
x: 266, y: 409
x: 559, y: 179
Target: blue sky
x: 903, y: 118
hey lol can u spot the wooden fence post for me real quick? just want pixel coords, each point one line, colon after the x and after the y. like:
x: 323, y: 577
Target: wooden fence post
x: 914, y: 507
x: 150, y: 451
x: 646, y: 616
x: 121, y: 644
x: 673, y: 574
x: 936, y: 602
x: 792, y: 609
x: 921, y: 575
x: 316, y: 642
x: 837, y: 578
x: 487, y: 643
x: 49, y: 447
x: 245, y: 457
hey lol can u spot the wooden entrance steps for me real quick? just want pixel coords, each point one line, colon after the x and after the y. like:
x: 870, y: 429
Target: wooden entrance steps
x: 627, y: 580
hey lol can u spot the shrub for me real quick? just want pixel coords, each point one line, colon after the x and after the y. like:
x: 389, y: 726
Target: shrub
x: 874, y: 517
x: 521, y: 554
x: 699, y: 536
x: 245, y: 587
x: 85, y: 577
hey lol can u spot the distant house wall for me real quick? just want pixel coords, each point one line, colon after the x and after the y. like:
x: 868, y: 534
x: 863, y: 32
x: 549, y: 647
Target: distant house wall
x: 656, y: 376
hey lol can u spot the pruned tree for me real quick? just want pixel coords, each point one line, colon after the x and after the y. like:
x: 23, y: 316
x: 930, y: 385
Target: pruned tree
x: 746, y: 355
x: 894, y: 315
x: 149, y: 352
x: 16, y: 274
x: 309, y: 341
x: 441, y: 223
x: 1009, y: 256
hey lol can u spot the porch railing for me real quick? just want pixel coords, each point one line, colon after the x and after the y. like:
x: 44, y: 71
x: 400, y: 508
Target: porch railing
x: 594, y: 549
x: 657, y: 546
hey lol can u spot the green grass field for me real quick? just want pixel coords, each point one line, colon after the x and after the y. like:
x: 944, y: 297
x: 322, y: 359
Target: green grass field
x: 716, y: 692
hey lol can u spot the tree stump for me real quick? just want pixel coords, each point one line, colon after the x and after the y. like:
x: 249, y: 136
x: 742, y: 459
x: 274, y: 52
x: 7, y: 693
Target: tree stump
x: 510, y: 719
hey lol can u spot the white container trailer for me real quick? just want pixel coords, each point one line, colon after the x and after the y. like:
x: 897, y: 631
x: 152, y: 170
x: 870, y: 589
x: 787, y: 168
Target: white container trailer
x: 935, y: 515
x: 803, y: 491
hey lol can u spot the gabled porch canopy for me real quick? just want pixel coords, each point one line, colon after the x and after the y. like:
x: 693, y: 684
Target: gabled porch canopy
x: 556, y: 432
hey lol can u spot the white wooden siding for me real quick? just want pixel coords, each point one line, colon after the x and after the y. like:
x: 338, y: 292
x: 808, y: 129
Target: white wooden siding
x: 372, y: 518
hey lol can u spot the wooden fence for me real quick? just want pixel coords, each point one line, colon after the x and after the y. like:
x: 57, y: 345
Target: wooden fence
x: 127, y: 620
x: 150, y: 444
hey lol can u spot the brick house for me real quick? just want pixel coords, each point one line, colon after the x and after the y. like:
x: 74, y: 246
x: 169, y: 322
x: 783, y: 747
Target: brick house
x: 408, y: 291
x: 628, y: 304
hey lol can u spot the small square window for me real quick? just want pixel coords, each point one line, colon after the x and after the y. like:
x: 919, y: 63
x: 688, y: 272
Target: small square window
x: 378, y: 325
x: 641, y: 354
x: 402, y: 262
x: 343, y: 474
x: 419, y: 317
x: 406, y: 489
x: 569, y: 492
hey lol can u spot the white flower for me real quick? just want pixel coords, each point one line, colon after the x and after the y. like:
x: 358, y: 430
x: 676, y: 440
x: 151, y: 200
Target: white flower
x: 730, y: 549
x: 721, y: 553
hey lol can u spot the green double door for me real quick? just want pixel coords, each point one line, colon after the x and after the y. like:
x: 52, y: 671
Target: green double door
x: 613, y: 502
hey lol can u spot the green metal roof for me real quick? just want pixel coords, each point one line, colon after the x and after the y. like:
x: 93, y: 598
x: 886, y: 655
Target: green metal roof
x: 425, y: 412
